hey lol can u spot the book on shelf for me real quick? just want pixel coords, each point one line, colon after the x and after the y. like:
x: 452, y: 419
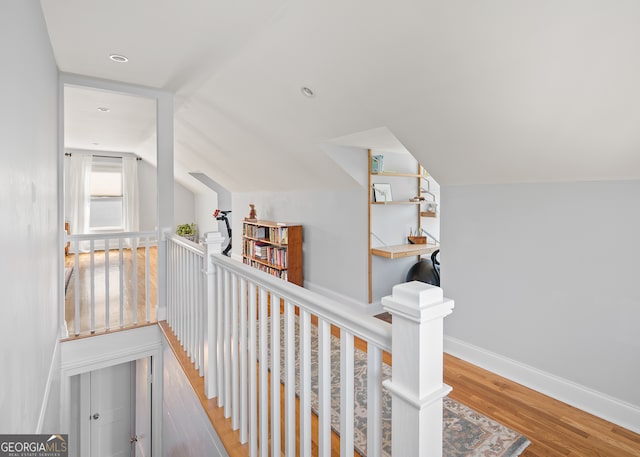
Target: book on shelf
x: 282, y: 274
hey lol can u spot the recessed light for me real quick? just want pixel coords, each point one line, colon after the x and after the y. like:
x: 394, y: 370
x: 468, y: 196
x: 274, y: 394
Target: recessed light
x: 96, y: 144
x: 104, y: 109
x: 118, y: 58
x: 307, y: 92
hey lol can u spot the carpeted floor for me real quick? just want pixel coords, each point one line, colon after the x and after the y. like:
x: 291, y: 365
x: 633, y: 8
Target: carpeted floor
x: 467, y: 433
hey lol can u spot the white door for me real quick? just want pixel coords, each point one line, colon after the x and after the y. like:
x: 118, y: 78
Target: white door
x: 111, y: 411
x: 143, y: 408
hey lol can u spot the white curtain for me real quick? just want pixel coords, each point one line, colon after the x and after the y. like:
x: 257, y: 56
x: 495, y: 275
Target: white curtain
x: 130, y: 195
x: 77, y: 195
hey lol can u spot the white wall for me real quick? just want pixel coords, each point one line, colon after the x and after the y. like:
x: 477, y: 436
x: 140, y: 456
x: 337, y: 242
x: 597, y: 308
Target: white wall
x: 206, y: 202
x: 547, y: 275
x: 334, y: 232
x: 184, y: 200
x: 29, y: 223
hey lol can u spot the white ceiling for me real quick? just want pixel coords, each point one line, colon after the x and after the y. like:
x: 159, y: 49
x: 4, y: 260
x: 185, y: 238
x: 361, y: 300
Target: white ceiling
x: 479, y: 92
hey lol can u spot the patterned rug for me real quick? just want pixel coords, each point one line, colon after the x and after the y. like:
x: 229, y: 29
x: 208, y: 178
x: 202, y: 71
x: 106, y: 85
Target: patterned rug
x: 467, y: 433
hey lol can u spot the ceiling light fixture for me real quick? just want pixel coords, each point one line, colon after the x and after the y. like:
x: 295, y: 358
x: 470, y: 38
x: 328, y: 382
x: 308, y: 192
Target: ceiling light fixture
x: 96, y: 144
x: 307, y: 92
x: 103, y: 109
x: 118, y: 58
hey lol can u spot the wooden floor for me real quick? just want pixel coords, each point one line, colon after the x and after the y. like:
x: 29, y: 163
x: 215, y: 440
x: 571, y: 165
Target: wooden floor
x: 554, y: 428
x: 84, y: 278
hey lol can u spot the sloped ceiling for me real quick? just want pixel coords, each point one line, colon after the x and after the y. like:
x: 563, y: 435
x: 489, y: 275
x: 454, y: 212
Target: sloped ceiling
x: 478, y: 92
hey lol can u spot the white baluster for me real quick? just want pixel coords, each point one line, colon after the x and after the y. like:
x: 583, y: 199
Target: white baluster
x: 264, y: 380
x: 134, y: 253
x: 220, y: 333
x: 290, y: 379
x: 76, y: 283
x: 275, y: 375
x: 346, y: 393
x: 92, y: 275
x: 121, y: 280
x: 374, y: 401
x: 253, y: 383
x: 106, y: 284
x: 227, y: 345
x: 324, y: 388
x: 146, y: 279
x: 235, y: 367
x: 305, y: 383
x: 243, y: 361
x: 213, y: 243
x: 416, y: 387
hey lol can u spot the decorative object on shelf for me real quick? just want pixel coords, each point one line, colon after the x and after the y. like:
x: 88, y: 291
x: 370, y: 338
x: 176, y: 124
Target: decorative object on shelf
x: 187, y: 231
x: 417, y: 199
x: 253, y: 215
x: 377, y: 164
x: 430, y: 209
x: 417, y: 239
x: 382, y: 192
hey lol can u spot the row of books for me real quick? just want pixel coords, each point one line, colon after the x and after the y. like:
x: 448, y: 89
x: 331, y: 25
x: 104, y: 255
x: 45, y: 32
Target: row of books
x: 265, y: 252
x: 282, y: 274
x: 278, y: 235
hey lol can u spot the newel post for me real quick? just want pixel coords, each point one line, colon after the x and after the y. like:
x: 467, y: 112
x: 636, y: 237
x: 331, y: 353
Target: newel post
x: 416, y: 386
x: 213, y: 245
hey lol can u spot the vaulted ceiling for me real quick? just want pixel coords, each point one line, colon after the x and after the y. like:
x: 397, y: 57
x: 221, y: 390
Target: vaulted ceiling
x: 478, y: 91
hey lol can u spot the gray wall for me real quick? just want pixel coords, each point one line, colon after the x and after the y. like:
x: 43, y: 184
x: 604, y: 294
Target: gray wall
x: 548, y: 275
x: 335, y: 234
x: 184, y: 200
x: 29, y: 223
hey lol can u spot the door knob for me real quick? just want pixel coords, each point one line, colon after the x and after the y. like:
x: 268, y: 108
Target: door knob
x: 96, y: 416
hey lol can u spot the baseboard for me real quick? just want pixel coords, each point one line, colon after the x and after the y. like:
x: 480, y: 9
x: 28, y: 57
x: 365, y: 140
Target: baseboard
x: 54, y: 370
x: 602, y: 405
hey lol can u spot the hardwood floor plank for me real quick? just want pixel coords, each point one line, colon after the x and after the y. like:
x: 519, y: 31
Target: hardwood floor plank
x: 554, y: 428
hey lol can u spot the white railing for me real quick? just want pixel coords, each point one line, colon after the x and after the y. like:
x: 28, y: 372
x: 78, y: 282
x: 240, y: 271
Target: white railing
x: 128, y: 279
x: 251, y: 316
x: 186, y: 296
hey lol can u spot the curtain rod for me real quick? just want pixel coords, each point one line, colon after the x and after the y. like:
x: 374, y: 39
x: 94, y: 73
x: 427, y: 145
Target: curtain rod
x: 98, y: 155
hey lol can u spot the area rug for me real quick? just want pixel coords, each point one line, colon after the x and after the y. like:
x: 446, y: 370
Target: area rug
x: 467, y: 433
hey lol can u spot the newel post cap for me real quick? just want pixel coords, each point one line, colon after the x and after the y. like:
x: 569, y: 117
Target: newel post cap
x: 417, y: 301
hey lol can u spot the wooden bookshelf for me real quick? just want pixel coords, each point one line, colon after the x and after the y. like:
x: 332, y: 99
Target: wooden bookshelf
x: 275, y: 248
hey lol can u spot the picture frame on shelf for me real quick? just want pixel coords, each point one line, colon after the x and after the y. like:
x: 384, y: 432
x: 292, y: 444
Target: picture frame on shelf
x: 382, y: 193
x: 377, y: 164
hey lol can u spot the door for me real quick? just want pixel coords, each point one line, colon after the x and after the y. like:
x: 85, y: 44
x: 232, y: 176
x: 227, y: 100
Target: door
x: 111, y: 411
x: 143, y: 408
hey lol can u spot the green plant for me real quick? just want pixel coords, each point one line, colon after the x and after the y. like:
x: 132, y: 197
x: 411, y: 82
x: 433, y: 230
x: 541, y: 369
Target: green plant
x: 186, y: 230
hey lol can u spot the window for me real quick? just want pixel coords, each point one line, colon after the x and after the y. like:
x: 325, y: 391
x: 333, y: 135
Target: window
x: 106, y: 203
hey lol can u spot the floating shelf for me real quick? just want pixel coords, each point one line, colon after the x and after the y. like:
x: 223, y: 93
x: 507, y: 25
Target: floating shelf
x: 402, y: 175
x: 403, y: 202
x: 404, y: 250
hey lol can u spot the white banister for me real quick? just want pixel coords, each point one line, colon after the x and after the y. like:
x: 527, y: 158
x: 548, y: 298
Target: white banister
x: 259, y: 336
x: 95, y: 297
x: 416, y: 387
